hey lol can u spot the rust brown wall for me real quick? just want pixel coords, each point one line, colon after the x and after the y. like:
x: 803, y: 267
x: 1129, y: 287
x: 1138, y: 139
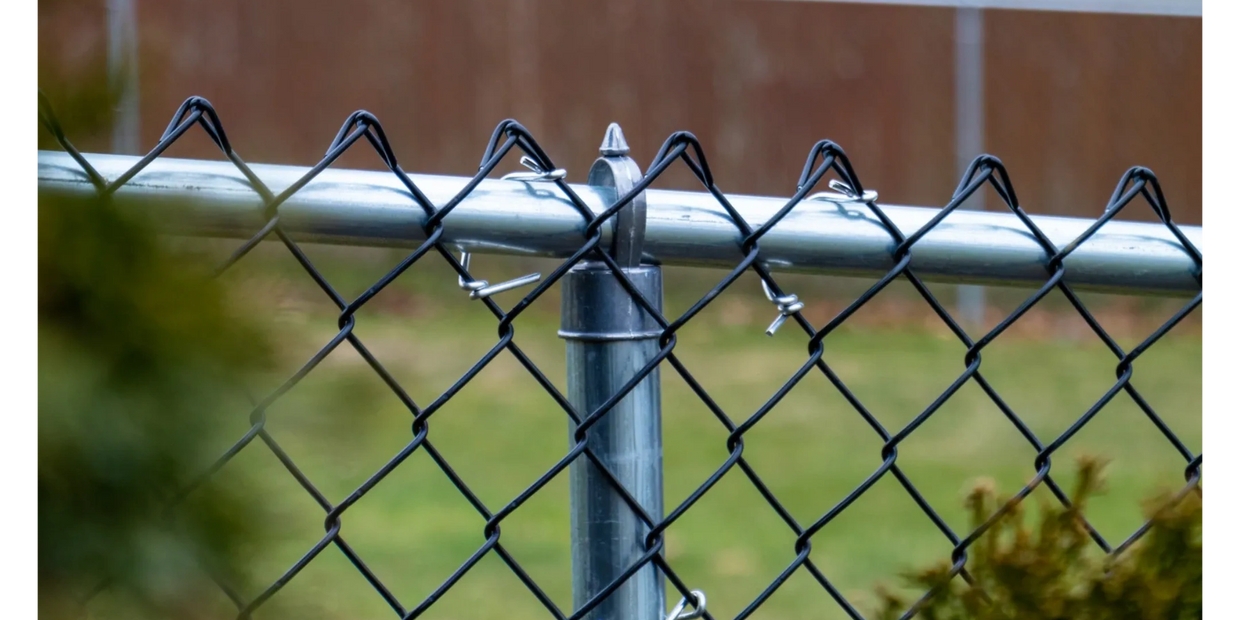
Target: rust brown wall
x: 1072, y: 100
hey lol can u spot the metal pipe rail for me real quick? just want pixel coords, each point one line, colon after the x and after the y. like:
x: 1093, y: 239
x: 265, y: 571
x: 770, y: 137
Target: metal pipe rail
x: 372, y: 208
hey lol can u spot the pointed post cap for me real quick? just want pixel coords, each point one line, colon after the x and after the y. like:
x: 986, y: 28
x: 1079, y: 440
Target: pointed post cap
x: 614, y: 144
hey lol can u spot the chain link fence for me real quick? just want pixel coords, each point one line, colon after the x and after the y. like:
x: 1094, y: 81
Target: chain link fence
x: 619, y: 340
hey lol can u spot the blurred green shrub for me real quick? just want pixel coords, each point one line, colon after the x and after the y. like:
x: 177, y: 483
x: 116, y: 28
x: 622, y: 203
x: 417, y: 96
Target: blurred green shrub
x: 1047, y: 573
x: 140, y: 365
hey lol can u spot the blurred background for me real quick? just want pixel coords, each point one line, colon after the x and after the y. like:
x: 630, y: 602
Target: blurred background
x: 1068, y: 100
x: 1071, y: 99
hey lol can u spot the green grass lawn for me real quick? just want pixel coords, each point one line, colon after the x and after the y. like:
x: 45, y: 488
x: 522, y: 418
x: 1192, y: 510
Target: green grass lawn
x: 341, y: 424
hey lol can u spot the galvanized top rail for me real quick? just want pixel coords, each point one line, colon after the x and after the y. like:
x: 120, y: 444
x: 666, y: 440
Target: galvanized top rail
x: 372, y: 208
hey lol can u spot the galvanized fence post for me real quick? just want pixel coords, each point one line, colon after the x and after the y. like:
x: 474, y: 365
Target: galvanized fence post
x: 609, y: 338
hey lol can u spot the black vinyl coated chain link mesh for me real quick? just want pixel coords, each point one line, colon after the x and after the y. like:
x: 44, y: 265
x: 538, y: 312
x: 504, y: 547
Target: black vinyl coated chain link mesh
x: 823, y: 158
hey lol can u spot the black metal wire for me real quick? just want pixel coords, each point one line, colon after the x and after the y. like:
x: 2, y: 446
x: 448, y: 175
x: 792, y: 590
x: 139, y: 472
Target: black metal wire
x: 825, y: 157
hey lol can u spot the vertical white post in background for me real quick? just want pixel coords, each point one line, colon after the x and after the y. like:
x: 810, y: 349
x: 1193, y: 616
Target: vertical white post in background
x: 123, y: 75
x: 970, y: 136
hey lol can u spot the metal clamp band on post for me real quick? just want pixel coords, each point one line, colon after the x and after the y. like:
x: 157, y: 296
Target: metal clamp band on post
x: 609, y: 338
